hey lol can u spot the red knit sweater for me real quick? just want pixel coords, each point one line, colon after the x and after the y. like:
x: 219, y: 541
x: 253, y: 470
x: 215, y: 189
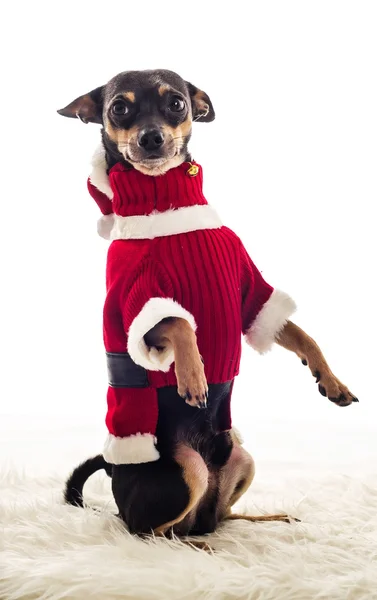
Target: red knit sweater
x: 171, y: 256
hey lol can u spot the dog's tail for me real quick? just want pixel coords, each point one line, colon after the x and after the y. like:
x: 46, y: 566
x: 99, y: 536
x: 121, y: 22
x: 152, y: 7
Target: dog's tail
x: 76, y: 481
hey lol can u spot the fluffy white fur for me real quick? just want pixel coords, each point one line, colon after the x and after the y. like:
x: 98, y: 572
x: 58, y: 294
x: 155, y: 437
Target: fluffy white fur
x: 169, y: 222
x: 50, y: 551
x: 98, y: 176
x: 105, y: 225
x: 152, y: 313
x: 270, y: 321
x: 135, y: 449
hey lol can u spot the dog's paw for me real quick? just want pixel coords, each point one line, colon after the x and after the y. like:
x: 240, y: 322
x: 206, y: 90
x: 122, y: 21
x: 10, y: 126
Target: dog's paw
x: 330, y: 386
x: 192, y: 383
x: 333, y: 389
x: 198, y: 401
x: 263, y: 518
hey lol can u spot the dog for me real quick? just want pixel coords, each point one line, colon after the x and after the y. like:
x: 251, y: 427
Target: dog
x: 197, y: 469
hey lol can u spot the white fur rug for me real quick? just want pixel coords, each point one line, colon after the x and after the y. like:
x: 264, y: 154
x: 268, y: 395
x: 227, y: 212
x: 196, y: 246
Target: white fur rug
x: 53, y: 551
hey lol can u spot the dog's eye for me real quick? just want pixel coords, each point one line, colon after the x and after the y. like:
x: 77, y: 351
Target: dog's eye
x: 176, y: 104
x: 119, y: 108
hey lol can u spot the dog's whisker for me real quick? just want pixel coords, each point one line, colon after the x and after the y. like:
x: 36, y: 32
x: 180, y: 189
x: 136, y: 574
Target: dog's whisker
x: 179, y: 137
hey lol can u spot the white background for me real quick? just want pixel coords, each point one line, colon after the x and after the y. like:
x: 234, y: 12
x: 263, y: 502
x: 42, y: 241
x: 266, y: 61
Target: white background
x: 289, y: 162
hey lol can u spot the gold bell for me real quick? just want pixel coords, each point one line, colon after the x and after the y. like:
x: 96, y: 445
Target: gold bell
x: 193, y: 170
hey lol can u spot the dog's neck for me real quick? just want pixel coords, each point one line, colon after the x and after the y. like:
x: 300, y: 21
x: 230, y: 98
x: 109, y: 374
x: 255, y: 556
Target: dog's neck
x: 133, y: 193
x: 138, y: 206
x: 138, y: 194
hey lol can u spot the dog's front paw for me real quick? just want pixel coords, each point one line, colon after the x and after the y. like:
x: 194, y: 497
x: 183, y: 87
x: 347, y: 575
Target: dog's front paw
x: 335, y: 390
x: 332, y: 388
x: 192, y: 383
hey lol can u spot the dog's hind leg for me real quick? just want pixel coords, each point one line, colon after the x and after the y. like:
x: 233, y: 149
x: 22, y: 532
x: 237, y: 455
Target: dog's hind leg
x: 195, y: 475
x: 235, y: 478
x: 155, y: 496
x: 261, y: 518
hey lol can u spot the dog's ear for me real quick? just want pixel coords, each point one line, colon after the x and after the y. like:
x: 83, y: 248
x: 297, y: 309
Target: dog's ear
x: 88, y: 108
x: 202, y: 109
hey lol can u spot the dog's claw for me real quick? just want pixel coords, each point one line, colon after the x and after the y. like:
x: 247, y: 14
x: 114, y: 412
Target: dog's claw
x: 354, y: 399
x: 202, y: 403
x: 198, y: 402
x: 304, y: 362
x: 317, y: 376
x: 322, y: 390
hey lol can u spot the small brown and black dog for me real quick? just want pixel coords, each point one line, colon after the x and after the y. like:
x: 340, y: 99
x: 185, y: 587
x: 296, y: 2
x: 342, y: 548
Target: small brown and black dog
x: 146, y: 119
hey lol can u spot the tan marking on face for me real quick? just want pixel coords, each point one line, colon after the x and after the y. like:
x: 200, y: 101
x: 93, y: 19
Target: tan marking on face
x: 121, y: 137
x: 163, y: 89
x: 124, y: 138
x: 126, y: 141
x: 129, y: 96
x: 178, y: 133
x: 186, y: 127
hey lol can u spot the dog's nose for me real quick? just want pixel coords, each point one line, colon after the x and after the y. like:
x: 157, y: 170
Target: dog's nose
x: 150, y: 139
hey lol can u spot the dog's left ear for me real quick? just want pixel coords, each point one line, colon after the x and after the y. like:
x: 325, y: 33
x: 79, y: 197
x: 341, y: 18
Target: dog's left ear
x: 88, y: 108
x: 202, y: 109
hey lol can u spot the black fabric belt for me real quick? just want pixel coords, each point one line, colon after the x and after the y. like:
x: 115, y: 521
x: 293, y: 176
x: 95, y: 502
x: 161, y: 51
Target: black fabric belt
x: 123, y: 372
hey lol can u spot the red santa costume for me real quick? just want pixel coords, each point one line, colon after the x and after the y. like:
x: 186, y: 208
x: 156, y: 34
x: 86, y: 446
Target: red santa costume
x: 170, y: 256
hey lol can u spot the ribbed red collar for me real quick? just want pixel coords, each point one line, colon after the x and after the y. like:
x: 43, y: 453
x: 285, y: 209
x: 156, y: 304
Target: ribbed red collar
x: 134, y: 193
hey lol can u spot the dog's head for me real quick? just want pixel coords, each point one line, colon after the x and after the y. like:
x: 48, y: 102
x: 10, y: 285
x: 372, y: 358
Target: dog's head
x: 146, y: 116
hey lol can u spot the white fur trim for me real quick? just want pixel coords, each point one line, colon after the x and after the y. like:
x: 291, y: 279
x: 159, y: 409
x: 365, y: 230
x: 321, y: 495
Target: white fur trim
x: 152, y: 313
x: 99, y: 177
x: 169, y: 222
x: 270, y: 321
x: 134, y: 449
x: 105, y: 225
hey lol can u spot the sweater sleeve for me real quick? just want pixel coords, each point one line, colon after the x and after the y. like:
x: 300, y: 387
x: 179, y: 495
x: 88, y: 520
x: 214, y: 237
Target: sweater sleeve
x: 265, y: 310
x: 149, y: 300
x: 106, y: 222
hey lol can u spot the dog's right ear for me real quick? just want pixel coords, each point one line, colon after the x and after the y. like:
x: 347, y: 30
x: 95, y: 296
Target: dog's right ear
x: 88, y: 108
x: 202, y: 109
